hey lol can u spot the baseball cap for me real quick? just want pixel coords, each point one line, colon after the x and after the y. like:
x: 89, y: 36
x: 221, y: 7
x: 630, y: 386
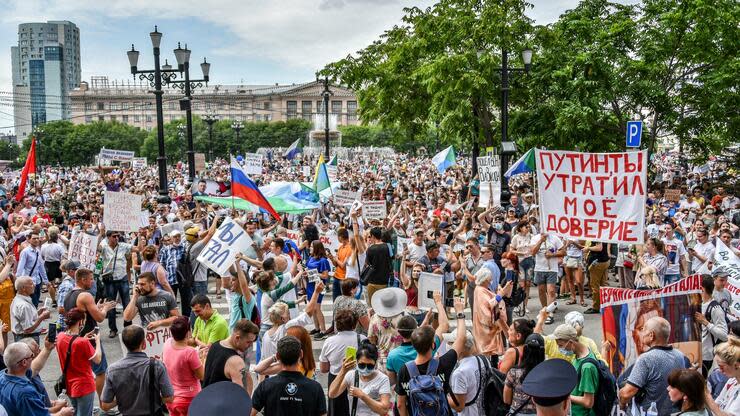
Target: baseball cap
x: 71, y: 265
x: 565, y: 332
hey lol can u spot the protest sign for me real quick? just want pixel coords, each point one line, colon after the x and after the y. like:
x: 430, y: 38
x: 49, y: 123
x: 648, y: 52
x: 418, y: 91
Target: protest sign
x: 83, y: 247
x: 122, y: 211
x: 593, y: 196
x: 331, y: 172
x: 111, y: 154
x: 170, y: 227
x: 294, y: 235
x: 489, y: 175
x: 253, y: 163
x: 345, y: 198
x: 219, y: 254
x: 723, y: 255
x: 306, y: 171
x: 154, y: 342
x: 138, y: 163
x: 200, y: 162
x: 144, y: 218
x: 673, y: 195
x: 402, y: 243
x: 429, y: 283
x: 330, y: 242
x: 373, y: 210
x: 624, y: 313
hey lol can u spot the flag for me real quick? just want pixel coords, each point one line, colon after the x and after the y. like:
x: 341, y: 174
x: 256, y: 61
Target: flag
x: 293, y: 150
x: 307, y: 194
x: 334, y: 161
x: 243, y: 187
x: 525, y: 164
x: 444, y: 159
x: 321, y: 180
x: 28, y: 168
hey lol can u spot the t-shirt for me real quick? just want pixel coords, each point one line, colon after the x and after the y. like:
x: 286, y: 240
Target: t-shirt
x: 200, y: 272
x: 650, y: 373
x: 399, y: 356
x: 674, y: 250
x: 333, y: 349
x: 465, y: 379
x: 588, y: 382
x: 514, y: 379
x: 703, y: 249
x: 444, y: 372
x: 155, y: 307
x: 80, y: 379
x: 320, y: 265
x: 729, y: 398
x: 289, y: 394
x: 552, y: 244
x: 379, y: 384
x: 181, y: 364
x: 269, y: 341
x: 379, y: 256
x: 213, y: 330
x: 723, y: 297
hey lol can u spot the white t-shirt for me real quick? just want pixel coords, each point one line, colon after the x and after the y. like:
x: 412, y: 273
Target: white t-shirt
x: 541, y: 263
x: 674, y: 250
x: 334, y: 346
x: 704, y: 250
x: 654, y: 230
x: 353, y: 272
x: 378, y: 385
x: 269, y: 341
x: 729, y: 398
x: 416, y: 252
x: 465, y: 379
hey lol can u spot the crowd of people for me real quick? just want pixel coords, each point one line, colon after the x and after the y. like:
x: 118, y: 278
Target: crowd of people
x: 384, y: 348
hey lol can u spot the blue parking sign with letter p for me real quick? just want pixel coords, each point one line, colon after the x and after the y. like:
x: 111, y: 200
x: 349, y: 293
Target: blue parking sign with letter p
x: 634, y: 133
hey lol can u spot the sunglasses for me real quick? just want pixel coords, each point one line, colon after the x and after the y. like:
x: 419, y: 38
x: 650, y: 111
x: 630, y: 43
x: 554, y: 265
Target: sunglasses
x: 364, y: 366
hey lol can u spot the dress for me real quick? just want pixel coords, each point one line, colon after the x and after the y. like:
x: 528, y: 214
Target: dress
x: 388, y: 338
x: 488, y: 333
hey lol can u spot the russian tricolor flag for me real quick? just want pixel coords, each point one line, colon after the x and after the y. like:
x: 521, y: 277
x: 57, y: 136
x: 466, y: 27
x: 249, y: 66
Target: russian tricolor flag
x: 243, y: 187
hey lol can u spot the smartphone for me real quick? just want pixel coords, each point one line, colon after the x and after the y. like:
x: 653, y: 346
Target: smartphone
x: 350, y: 352
x: 96, y: 330
x: 52, y: 334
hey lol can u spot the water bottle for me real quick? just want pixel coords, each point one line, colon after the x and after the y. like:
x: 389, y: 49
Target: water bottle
x: 653, y: 410
x: 63, y: 396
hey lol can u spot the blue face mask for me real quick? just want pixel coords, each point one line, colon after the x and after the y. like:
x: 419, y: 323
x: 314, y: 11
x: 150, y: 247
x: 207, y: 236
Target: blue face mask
x: 566, y: 352
x: 365, y: 371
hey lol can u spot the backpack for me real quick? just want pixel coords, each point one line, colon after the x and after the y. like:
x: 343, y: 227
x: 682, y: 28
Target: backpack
x: 426, y: 392
x: 255, y: 318
x: 492, y: 387
x: 517, y: 294
x: 606, y: 392
x: 708, y: 314
x: 185, y: 272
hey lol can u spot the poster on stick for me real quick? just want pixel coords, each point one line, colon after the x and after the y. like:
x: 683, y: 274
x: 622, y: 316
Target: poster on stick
x: 122, y: 211
x: 428, y: 284
x: 200, y: 162
x: 220, y: 253
x: 489, y: 174
x: 673, y: 195
x: 345, y: 198
x: 253, y: 163
x: 154, y: 340
x: 593, y: 196
x: 624, y: 313
x: 373, y: 210
x: 83, y: 247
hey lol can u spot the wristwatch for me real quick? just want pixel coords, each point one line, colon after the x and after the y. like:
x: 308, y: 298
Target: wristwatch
x: 460, y: 315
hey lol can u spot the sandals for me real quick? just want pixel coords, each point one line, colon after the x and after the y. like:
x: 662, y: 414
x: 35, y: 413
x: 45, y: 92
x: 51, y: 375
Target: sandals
x: 584, y: 304
x: 571, y: 302
x: 549, y: 320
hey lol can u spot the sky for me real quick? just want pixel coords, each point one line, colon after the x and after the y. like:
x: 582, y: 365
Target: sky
x: 246, y: 41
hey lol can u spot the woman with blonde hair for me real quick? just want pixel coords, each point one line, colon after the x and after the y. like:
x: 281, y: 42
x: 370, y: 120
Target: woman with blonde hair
x: 727, y: 356
x: 271, y: 366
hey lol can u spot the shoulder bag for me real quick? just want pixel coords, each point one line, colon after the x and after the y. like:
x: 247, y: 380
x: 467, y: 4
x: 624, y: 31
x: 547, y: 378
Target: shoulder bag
x: 61, y: 384
x: 154, y: 391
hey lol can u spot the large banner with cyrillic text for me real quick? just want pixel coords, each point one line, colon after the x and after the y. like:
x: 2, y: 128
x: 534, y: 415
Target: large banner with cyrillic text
x: 593, y: 196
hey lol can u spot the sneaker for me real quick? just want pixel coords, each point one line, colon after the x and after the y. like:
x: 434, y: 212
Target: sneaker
x: 314, y: 332
x: 113, y: 334
x: 549, y: 320
x: 591, y: 311
x: 320, y: 336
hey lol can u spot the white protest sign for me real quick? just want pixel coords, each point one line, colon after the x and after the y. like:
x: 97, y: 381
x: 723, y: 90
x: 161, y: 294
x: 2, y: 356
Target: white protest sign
x: 83, y: 247
x: 306, y: 171
x: 166, y: 229
x: 138, y: 163
x: 346, y: 198
x: 253, y: 163
x: 221, y: 251
x: 374, y: 210
x: 489, y: 174
x: 111, y: 154
x: 294, y: 235
x: 402, y: 243
x: 331, y: 172
x: 723, y: 255
x: 593, y: 196
x: 122, y: 211
x: 144, y: 218
x: 154, y: 341
x: 330, y: 242
x: 428, y: 284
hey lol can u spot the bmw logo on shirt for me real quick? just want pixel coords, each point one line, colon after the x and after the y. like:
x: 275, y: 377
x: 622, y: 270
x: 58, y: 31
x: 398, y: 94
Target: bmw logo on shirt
x: 291, y: 388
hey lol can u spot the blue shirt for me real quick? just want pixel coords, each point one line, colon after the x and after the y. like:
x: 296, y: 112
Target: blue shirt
x: 169, y: 256
x: 321, y: 265
x: 31, y: 264
x: 495, y: 274
x: 20, y: 396
x: 399, y: 356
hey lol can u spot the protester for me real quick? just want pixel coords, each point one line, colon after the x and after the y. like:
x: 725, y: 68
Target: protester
x: 225, y: 361
x: 686, y: 388
x: 546, y: 249
x: 74, y: 348
x: 243, y: 302
x: 379, y: 259
x: 549, y: 384
x: 129, y: 383
x: 25, y: 320
x: 465, y: 378
x: 489, y: 316
x: 598, y: 255
x: 169, y: 256
x: 583, y: 396
x: 347, y: 300
x: 209, y: 326
x: 31, y: 264
x: 183, y: 366
x: 727, y: 356
x: 7, y: 293
x: 388, y: 305
x: 116, y: 259
x: 155, y: 307
x: 318, y: 262
x: 152, y: 265
x: 367, y: 387
x: 712, y: 321
x: 533, y: 353
x: 517, y: 334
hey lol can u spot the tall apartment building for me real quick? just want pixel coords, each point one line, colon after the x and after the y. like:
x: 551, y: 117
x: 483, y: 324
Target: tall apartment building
x: 46, y: 67
x: 132, y: 103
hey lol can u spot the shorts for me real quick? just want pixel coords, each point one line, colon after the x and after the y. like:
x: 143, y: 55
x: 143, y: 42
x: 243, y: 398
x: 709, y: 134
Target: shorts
x: 541, y: 278
x: 573, y: 262
x: 101, y: 368
x: 310, y: 286
x: 527, y: 268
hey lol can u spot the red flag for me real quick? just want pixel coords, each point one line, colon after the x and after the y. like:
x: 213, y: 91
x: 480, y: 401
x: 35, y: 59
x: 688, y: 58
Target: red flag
x: 28, y: 168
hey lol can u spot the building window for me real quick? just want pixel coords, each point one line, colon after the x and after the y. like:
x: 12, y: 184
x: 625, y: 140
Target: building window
x: 148, y: 119
x: 171, y: 105
x: 306, y: 110
x: 292, y: 109
x: 320, y: 106
x: 336, y: 107
x: 137, y: 119
x: 88, y: 106
x: 101, y: 106
x: 124, y: 119
x: 125, y: 105
x: 351, y: 110
x: 267, y: 117
x: 88, y: 119
x: 266, y: 105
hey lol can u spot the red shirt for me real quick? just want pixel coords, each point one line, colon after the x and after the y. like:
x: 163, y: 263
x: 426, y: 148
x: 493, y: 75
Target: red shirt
x: 80, y: 377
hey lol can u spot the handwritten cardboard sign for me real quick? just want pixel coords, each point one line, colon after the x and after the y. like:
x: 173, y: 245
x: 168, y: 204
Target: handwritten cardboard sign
x: 220, y: 253
x: 122, y: 211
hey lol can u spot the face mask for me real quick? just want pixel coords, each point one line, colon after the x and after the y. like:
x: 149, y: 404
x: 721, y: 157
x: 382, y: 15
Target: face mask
x: 365, y: 371
x: 498, y: 226
x: 566, y: 352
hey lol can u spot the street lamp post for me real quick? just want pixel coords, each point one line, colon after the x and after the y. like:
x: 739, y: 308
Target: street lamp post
x: 210, y: 120
x: 155, y: 78
x: 326, y: 94
x: 37, y: 132
x: 187, y: 85
x: 237, y: 126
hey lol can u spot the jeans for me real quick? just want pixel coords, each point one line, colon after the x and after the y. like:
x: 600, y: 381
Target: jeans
x: 671, y: 278
x: 186, y: 294
x: 113, y: 289
x: 336, y: 288
x: 83, y: 405
x: 200, y: 288
x: 36, y: 296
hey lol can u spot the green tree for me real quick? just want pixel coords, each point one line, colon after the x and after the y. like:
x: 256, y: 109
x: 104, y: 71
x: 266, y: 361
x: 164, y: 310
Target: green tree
x: 9, y: 151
